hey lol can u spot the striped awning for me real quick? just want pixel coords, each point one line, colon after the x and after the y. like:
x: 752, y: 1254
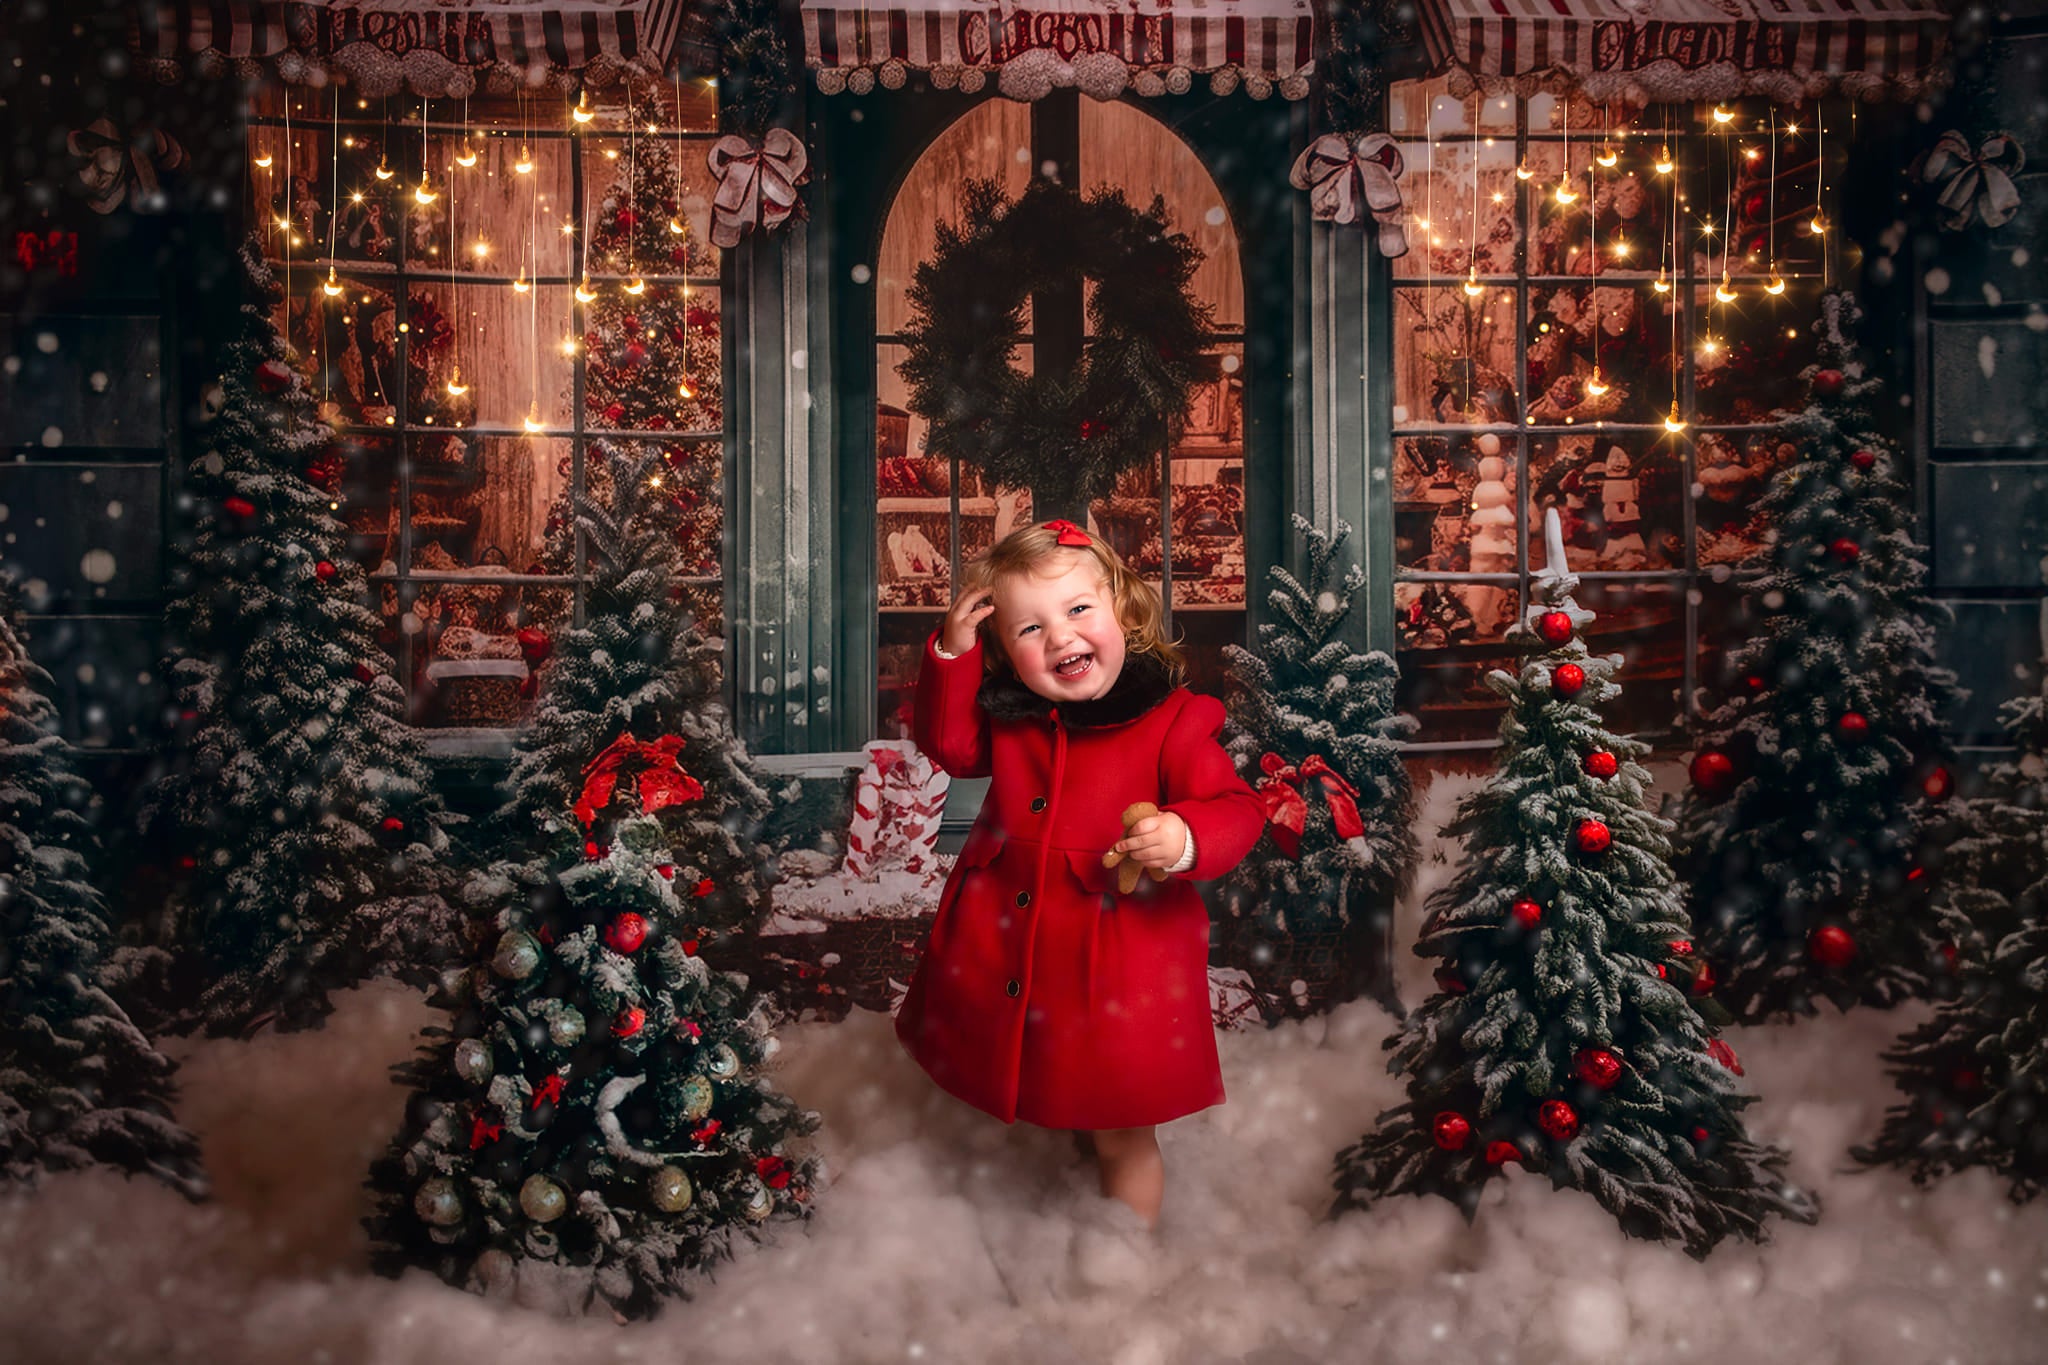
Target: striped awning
x: 1165, y: 40
x: 1690, y: 49
x: 414, y: 37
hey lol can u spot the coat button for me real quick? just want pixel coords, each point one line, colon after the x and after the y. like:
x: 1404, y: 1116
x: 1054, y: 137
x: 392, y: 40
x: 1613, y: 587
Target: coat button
x: 1037, y: 804
x: 1023, y: 899
x: 1014, y: 989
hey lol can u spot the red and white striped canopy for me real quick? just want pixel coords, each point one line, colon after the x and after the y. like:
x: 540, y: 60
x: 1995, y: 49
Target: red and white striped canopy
x: 1691, y: 49
x: 1270, y: 38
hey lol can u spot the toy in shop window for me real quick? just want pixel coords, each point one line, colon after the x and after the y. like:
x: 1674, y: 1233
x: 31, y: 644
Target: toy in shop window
x: 1432, y: 617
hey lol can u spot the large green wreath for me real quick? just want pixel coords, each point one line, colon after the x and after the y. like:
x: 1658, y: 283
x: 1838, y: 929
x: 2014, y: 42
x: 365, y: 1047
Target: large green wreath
x: 1065, y: 436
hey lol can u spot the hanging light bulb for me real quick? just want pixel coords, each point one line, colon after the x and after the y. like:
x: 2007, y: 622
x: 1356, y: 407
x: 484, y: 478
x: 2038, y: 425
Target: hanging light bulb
x: 1777, y: 284
x: 583, y: 113
x: 675, y: 225
x: 584, y: 293
x: 1722, y: 115
x: 1565, y: 193
x: 638, y: 286
x: 1522, y: 172
x: 425, y: 193
x: 467, y: 156
x: 1723, y: 292
x: 1663, y: 165
x: 265, y: 160
x: 1621, y: 248
x: 1607, y: 156
x: 1673, y: 423
x: 333, y: 286
x: 524, y: 165
x: 456, y: 388
x: 533, y: 422
x: 1595, y: 385
x: 520, y: 285
x: 1663, y: 282
x: 683, y: 390
x: 1817, y: 226
x: 384, y: 171
x: 1473, y: 288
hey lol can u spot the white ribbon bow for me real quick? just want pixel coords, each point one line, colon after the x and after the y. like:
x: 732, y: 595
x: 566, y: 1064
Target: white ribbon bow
x: 757, y: 183
x: 111, y: 161
x: 1340, y: 175
x: 1975, y: 184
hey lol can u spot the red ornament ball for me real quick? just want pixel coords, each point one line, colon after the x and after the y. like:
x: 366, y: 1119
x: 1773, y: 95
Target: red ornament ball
x: 1555, y: 627
x: 1593, y: 837
x: 1451, y: 1131
x: 1499, y: 1153
x: 1827, y: 383
x: 1938, y: 784
x: 324, y: 571
x: 629, y: 1021
x: 1597, y: 1067
x: 626, y: 933
x: 1681, y: 946
x: 1719, y: 1050
x: 1831, y: 946
x: 1450, y: 982
x: 1527, y: 913
x: 636, y: 354
x: 1601, y: 764
x: 273, y: 376
x: 592, y: 849
x: 1568, y: 680
x: 1950, y: 955
x: 535, y: 644
x: 614, y: 413
x: 1703, y: 980
x: 238, y: 506
x: 1853, y: 726
x: 1845, y: 550
x: 703, y: 888
x: 1700, y: 1135
x: 1557, y: 1119
x: 392, y: 824
x: 1712, y: 772
x: 364, y: 675
x: 1863, y: 459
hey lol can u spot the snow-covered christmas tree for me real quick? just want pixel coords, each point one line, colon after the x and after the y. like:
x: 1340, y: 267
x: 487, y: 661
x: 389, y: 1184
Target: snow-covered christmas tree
x: 1315, y: 729
x: 1819, y: 780
x: 1975, y: 1076
x: 296, y: 798
x: 79, y: 1083
x: 1561, y: 1038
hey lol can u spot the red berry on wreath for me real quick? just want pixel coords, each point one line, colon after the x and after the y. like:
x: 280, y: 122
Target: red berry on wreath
x: 1597, y: 1067
x: 628, y: 1022
x: 273, y: 376
x: 1527, y: 913
x: 1601, y: 764
x: 1719, y: 1050
x: 1863, y: 459
x: 1827, y: 383
x: 1712, y: 772
x: 1853, y: 726
x: 1498, y: 1153
x: 1845, y: 550
x: 1568, y: 680
x: 1554, y: 626
x: 1451, y: 1131
x: 238, y: 506
x: 1593, y: 837
x: 324, y: 571
x: 626, y: 933
x: 1831, y: 946
x: 1557, y: 1119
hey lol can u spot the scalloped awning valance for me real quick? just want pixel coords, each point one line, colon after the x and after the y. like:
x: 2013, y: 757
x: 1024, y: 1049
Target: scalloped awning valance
x: 1641, y: 50
x: 1103, y: 46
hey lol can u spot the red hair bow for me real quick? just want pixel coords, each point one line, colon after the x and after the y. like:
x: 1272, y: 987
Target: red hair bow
x: 1068, y: 533
x: 1288, y: 809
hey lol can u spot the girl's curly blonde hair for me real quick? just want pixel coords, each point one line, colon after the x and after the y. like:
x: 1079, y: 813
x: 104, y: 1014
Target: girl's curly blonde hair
x: 1037, y: 550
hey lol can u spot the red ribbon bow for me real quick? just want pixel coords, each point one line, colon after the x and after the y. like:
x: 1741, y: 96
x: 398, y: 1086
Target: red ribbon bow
x: 662, y: 782
x: 1287, y: 808
x: 1068, y: 533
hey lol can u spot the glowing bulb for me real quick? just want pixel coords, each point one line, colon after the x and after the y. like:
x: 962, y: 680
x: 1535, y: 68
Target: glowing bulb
x: 1673, y: 423
x: 583, y: 113
x: 1422, y: 223
x: 1752, y: 153
x: 482, y: 249
x: 1792, y: 129
x: 568, y: 229
x: 1523, y: 173
x: 1499, y: 198
x: 1777, y: 284
x: 675, y: 225
x: 265, y: 160
x: 520, y: 286
x: 1663, y: 165
x: 1621, y: 248
x: 467, y: 156
x: 285, y: 223
x: 685, y: 391
x: 1709, y: 346
x: 654, y: 481
x: 568, y: 345
x: 1608, y: 156
x: 524, y: 165
x: 384, y: 171
x: 638, y: 286
x: 1473, y: 288
x: 1817, y: 226
x: 1566, y: 194
x: 425, y: 193
x: 456, y: 388
x: 333, y: 286
x: 1595, y: 386
x: 532, y: 422
x: 584, y: 293
x: 1723, y: 115
x: 1722, y: 292
x: 1663, y: 283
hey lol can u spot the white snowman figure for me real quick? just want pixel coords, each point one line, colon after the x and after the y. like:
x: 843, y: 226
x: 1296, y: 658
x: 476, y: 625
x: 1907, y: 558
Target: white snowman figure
x: 1623, y: 515
x: 1493, y: 534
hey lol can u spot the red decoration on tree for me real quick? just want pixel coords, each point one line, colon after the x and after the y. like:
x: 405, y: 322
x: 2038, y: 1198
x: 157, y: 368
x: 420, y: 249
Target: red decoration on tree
x: 1938, y: 784
x: 1450, y: 982
x: 703, y: 888
x: 1451, y: 1131
x: 1719, y: 1050
x: 1853, y: 726
x: 238, y: 506
x: 324, y: 571
x: 1527, y: 913
x: 1681, y: 946
x: 1286, y: 807
x: 273, y: 376
x: 1863, y: 459
x: 690, y: 1026
x: 1700, y: 1134
x: 1568, y: 680
x: 1703, y: 980
x: 592, y: 849
x: 662, y: 781
x: 1597, y: 1067
x: 1663, y: 972
x: 1827, y: 383
x: 636, y: 354
x: 689, y: 947
x: 706, y: 1131
x: 665, y: 871
x: 1499, y: 1152
x: 626, y: 933
x: 628, y: 1022
x: 1557, y: 1119
x: 1712, y: 772
x: 1831, y: 946
x: 1950, y: 956
x: 1966, y: 1079
x: 1845, y: 549
x: 482, y: 1130
x: 774, y: 1172
x: 1555, y: 627
x: 548, y: 1091
x: 1593, y: 837
x: 535, y: 644
x: 1602, y: 764
x: 392, y: 824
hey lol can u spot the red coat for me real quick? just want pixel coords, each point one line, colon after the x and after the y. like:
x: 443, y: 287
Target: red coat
x: 1044, y: 995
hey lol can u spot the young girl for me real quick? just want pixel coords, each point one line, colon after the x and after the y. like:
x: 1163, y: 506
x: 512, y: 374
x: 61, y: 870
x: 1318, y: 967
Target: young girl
x: 1045, y: 995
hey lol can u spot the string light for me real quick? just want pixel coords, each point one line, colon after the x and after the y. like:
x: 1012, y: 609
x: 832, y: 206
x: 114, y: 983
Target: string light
x: 425, y: 193
x: 584, y: 293
x: 1663, y: 165
x: 583, y: 113
x: 384, y: 171
x: 524, y: 165
x: 520, y: 285
x: 1662, y: 284
x: 1522, y: 172
x: 1673, y: 423
x: 263, y: 162
x: 1722, y: 115
x: 1565, y: 193
x: 467, y: 156
x: 333, y: 286
x: 456, y: 388
x: 1472, y: 286
x: 533, y: 422
x: 1607, y: 156
x: 1722, y: 292
x: 1776, y: 285
x: 637, y: 286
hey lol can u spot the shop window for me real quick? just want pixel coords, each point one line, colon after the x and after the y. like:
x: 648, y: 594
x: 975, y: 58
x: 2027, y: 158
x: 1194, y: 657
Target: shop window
x: 485, y: 346
x: 1547, y: 344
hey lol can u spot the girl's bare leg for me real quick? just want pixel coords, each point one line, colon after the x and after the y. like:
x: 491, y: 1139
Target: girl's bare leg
x: 1132, y: 1169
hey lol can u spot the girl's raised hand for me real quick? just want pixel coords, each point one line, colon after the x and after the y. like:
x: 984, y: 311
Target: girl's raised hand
x: 963, y: 618
x: 1155, y: 841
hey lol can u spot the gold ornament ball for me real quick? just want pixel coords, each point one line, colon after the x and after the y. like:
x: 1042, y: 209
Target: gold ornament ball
x: 473, y: 1060
x: 566, y: 1028
x: 670, y: 1189
x: 696, y: 1098
x: 543, y: 1200
x: 437, y: 1203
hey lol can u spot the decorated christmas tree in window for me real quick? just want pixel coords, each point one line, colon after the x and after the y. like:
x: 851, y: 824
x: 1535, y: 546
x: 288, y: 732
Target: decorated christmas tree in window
x: 1818, y: 785
x: 1562, y: 1038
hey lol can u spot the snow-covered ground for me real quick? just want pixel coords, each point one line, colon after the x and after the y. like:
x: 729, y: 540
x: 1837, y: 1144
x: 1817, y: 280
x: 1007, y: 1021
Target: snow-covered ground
x: 947, y: 1237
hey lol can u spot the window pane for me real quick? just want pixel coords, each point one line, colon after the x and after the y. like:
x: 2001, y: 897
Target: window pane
x: 1454, y: 223
x: 1619, y: 217
x: 1734, y: 468
x: 1454, y: 503
x: 489, y: 218
x: 1620, y: 500
x: 482, y: 354
x: 1624, y: 329
x: 1454, y: 356
x: 1645, y: 624
x: 1747, y: 359
x: 639, y: 194
x: 652, y: 360
x: 1444, y: 660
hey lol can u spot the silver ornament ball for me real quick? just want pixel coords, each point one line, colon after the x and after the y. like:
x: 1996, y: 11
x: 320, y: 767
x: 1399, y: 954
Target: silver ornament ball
x: 543, y: 1200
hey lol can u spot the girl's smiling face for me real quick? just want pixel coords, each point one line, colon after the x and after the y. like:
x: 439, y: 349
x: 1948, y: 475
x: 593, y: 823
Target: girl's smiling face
x: 1060, y: 630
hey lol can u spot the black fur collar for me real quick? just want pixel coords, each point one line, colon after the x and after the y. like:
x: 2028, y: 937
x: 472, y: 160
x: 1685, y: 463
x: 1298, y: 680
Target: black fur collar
x: 1144, y: 682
